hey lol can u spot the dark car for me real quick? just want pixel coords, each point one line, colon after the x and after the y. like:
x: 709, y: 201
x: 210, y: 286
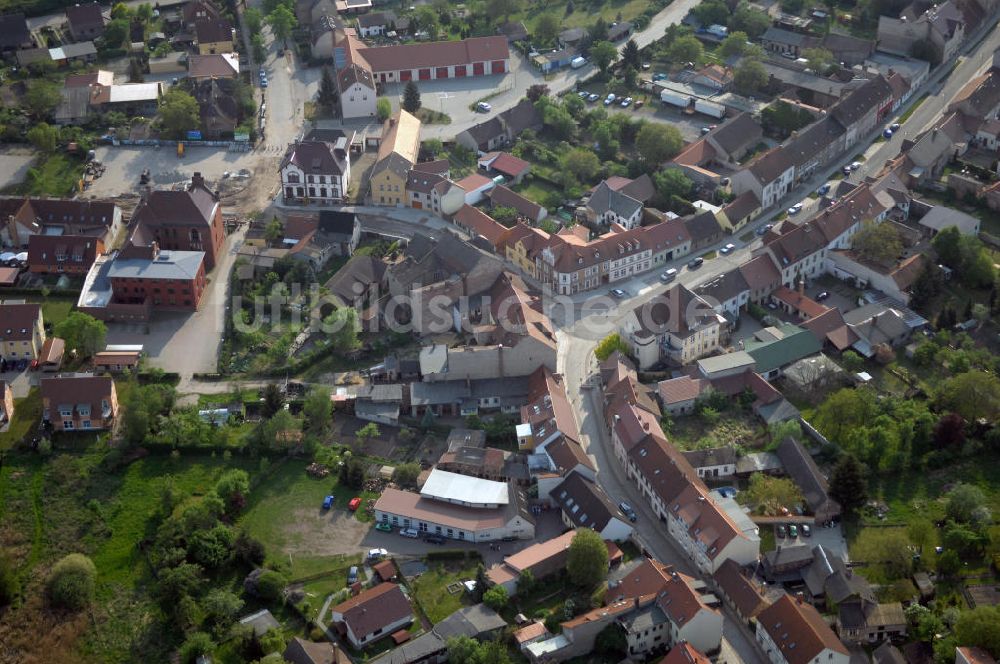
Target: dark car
x: 434, y: 539
x: 695, y: 263
x: 822, y: 296
x: 780, y: 531
x: 806, y: 530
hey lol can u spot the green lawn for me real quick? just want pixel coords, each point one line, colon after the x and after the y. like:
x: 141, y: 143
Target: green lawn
x: 281, y: 513
x: 58, y: 175
x: 585, y: 15
x: 537, y: 190
x: 55, y: 310
x: 27, y: 414
x: 430, y: 589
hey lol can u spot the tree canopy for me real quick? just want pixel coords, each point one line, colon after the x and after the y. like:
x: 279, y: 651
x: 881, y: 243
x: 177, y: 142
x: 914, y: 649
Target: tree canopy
x: 878, y: 242
x: 179, y: 113
x: 82, y: 332
x: 609, y: 345
x: 71, y: 582
x: 587, y: 558
x: 603, y: 53
x: 972, y: 394
x: 411, y: 97
x: 657, y: 142
x: 847, y: 484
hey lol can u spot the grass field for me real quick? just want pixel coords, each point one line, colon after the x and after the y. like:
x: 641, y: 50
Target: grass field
x: 58, y: 175
x: 55, y: 310
x: 72, y: 503
x: 585, y: 15
x: 537, y: 190
x: 282, y: 512
x: 430, y: 589
x: 27, y: 413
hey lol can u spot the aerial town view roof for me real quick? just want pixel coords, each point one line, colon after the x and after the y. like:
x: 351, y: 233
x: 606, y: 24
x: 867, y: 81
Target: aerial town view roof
x: 346, y: 331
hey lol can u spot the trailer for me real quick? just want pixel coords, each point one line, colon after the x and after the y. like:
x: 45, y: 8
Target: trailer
x: 675, y: 99
x: 717, y: 111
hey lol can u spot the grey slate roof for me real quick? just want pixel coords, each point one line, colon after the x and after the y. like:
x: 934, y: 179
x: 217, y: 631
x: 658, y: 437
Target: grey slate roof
x: 181, y: 265
x: 585, y: 503
x: 604, y: 199
x: 800, y: 467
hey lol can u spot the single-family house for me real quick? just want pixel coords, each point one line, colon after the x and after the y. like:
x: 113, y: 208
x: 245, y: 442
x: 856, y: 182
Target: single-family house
x: 86, y: 22
x: 373, y: 614
x: 79, y: 402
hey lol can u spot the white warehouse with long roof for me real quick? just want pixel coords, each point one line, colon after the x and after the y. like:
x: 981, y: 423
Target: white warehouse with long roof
x: 465, y: 490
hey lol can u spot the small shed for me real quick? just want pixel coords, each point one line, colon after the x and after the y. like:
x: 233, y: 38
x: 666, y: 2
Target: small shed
x: 924, y: 584
x: 385, y: 472
x: 385, y: 570
x: 262, y: 622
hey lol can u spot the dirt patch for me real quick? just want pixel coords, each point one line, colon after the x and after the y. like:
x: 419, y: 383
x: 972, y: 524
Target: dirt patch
x: 312, y: 533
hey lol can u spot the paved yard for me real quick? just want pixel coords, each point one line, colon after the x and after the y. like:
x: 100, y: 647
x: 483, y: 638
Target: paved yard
x: 14, y: 165
x: 181, y: 342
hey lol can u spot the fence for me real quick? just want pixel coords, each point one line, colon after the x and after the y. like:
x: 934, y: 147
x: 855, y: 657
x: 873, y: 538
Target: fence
x: 233, y: 146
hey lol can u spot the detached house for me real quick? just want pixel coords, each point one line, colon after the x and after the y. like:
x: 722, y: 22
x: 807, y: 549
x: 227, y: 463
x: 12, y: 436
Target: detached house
x: 358, y: 93
x: 372, y: 615
x: 316, y: 171
x: 678, y: 326
x: 608, y: 206
x: 214, y: 36
x: 79, y: 402
x: 86, y: 22
x: 502, y: 129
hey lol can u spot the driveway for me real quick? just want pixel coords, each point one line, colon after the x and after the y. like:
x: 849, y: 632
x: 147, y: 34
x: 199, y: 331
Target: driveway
x: 187, y: 343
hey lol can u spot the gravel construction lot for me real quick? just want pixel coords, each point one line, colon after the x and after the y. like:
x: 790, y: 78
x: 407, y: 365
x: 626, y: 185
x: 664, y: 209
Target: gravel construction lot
x: 14, y: 165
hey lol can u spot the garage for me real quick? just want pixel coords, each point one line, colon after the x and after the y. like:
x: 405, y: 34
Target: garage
x: 405, y: 75
x: 441, y: 72
x: 417, y: 205
x: 425, y: 74
x: 498, y: 67
x: 460, y: 71
x: 478, y: 68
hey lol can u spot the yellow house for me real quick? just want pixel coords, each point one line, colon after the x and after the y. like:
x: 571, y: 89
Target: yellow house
x: 521, y: 244
x: 397, y: 154
x: 214, y: 36
x: 22, y: 333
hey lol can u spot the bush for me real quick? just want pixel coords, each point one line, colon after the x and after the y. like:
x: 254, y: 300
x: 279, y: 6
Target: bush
x: 71, y: 582
x: 496, y: 598
x: 197, y: 644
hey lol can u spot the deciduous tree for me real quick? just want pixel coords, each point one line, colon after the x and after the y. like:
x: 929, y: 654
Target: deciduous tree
x: 581, y: 162
x: 751, y: 21
x: 82, y: 332
x: 973, y: 395
x: 282, y: 21
x: 734, y: 44
x: 587, y: 559
x: 685, y: 49
x: 672, y: 182
x: 547, y: 28
x: 71, y: 582
x: 603, y: 53
x: 496, y: 598
x: 383, y: 109
x: 317, y: 410
x: 179, y: 113
x: 879, y: 242
x: 750, y: 76
x: 41, y: 98
x: 610, y: 344
x: 980, y: 627
x: 657, y: 142
x: 44, y: 137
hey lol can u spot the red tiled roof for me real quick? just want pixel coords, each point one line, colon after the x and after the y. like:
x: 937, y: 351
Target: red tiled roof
x: 501, y: 195
x: 509, y: 165
x: 374, y: 609
x: 799, y: 302
x: 480, y: 223
x: 798, y: 630
x: 436, y: 54
x: 474, y: 181
x: 680, y: 389
x: 685, y: 653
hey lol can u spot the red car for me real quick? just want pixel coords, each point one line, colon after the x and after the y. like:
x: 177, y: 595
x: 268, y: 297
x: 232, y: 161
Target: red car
x: 354, y: 504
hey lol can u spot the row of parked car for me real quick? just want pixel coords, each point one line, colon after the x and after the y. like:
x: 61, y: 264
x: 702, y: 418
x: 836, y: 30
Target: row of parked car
x: 14, y: 365
x: 792, y: 530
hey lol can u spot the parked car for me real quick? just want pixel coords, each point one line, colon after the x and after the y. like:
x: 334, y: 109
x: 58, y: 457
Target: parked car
x: 377, y: 554
x: 409, y: 532
x: 846, y: 170
x: 806, y: 530
x: 822, y: 295
x: 583, y: 94
x: 328, y: 502
x: 793, y: 531
x: 618, y: 293
x: 354, y: 504
x: 705, y: 130
x: 593, y: 97
x: 795, y: 209
x: 894, y: 126
x: 434, y: 539
x: 625, y: 102
x: 823, y: 190
x: 780, y: 531
x: 483, y: 107
x: 887, y: 133
x: 639, y: 104
x: 628, y: 511
x: 669, y: 275
x: 855, y: 165
x: 659, y: 76
x: 383, y: 526
x: 695, y: 263
x: 352, y: 575
x: 728, y: 249
x: 610, y: 99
